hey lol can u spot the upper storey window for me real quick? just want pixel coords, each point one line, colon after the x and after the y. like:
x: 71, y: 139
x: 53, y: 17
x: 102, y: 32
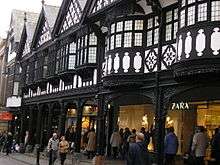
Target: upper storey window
x: 86, y: 49
x: 152, y: 31
x: 66, y: 57
x: 125, y: 33
x: 193, y: 11
x: 215, y: 10
x: 171, y: 24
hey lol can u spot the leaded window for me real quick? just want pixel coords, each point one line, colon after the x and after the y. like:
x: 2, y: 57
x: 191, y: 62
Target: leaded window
x: 72, y: 56
x: 215, y: 10
x: 45, y: 66
x: 152, y: 31
x: 86, y: 49
x: 193, y: 11
x: 127, y: 39
x: 171, y: 24
x: 27, y: 77
x: 191, y: 15
x: 202, y: 12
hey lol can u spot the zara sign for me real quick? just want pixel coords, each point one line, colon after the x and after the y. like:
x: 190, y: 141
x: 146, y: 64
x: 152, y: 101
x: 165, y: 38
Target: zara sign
x: 180, y: 106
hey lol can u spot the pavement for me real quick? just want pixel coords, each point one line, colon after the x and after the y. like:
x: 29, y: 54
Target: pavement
x: 30, y: 159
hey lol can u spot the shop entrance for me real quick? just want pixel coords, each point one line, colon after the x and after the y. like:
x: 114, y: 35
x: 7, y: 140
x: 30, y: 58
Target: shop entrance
x: 191, y: 109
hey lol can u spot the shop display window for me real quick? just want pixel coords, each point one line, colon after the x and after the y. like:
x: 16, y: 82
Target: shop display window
x: 184, y: 121
x: 137, y: 116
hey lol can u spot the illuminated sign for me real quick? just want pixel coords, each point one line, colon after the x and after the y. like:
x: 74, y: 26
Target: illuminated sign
x: 180, y: 106
x: 6, y: 116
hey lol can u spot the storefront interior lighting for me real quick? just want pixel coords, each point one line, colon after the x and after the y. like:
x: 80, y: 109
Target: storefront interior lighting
x: 28, y: 117
x: 109, y: 106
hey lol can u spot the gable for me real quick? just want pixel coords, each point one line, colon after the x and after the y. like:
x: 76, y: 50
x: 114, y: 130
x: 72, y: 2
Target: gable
x: 44, y: 34
x: 73, y: 15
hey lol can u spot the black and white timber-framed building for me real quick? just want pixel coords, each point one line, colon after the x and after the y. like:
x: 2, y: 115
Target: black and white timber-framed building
x: 122, y: 63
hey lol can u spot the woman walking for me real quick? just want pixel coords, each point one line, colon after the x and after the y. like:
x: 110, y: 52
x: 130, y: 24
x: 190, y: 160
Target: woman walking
x: 63, y: 149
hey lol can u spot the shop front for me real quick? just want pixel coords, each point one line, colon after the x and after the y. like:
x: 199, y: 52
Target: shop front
x: 191, y: 109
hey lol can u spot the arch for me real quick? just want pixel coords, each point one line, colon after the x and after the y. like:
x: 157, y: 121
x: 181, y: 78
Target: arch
x: 196, y: 93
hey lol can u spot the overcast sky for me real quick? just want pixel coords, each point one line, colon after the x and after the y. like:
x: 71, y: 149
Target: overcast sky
x: 28, y: 5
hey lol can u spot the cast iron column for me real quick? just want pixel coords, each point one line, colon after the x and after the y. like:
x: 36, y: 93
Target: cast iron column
x: 160, y: 125
x: 62, y: 118
x: 22, y: 129
x: 79, y: 125
x: 49, y: 122
x: 101, y: 126
x: 38, y: 130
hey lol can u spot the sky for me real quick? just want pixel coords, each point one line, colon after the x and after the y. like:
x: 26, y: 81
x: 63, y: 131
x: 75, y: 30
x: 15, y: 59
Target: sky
x: 27, y: 5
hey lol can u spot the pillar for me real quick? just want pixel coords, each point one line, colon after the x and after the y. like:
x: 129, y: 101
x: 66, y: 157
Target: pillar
x: 62, y: 119
x: 22, y: 127
x: 38, y: 129
x: 101, y: 126
x: 79, y: 125
x: 160, y: 125
x: 49, y: 123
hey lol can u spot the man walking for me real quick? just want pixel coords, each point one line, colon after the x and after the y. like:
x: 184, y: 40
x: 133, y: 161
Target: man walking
x: 170, y: 146
x: 53, y: 145
x: 199, y: 145
x: 138, y: 153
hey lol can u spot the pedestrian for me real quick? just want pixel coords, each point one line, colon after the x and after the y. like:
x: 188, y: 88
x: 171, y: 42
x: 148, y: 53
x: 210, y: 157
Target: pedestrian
x: 121, y: 132
x: 138, y: 153
x: 132, y: 137
x: 9, y: 142
x: 91, y: 146
x: 126, y: 134
x: 199, y: 145
x: 216, y: 146
x: 170, y: 146
x: 85, y: 138
x: 146, y: 136
x: 63, y: 149
x: 26, y: 139
x: 53, y: 148
x: 115, y: 142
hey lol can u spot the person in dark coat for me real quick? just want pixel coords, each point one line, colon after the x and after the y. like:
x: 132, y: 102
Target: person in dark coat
x: 146, y: 135
x: 216, y: 147
x: 9, y: 142
x: 138, y: 153
x: 170, y: 146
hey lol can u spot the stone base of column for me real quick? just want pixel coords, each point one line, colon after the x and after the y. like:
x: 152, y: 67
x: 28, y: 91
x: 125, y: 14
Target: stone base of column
x: 36, y: 147
x: 29, y: 149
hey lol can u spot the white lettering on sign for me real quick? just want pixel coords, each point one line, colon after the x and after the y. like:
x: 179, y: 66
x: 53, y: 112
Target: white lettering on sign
x: 180, y: 106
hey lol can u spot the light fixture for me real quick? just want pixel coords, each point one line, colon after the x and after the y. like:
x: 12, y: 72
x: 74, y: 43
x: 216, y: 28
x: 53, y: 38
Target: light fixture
x: 28, y: 117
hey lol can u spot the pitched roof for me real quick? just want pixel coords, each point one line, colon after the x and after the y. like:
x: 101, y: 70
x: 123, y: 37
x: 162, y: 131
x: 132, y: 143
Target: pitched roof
x: 51, y: 14
x: 17, y: 22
